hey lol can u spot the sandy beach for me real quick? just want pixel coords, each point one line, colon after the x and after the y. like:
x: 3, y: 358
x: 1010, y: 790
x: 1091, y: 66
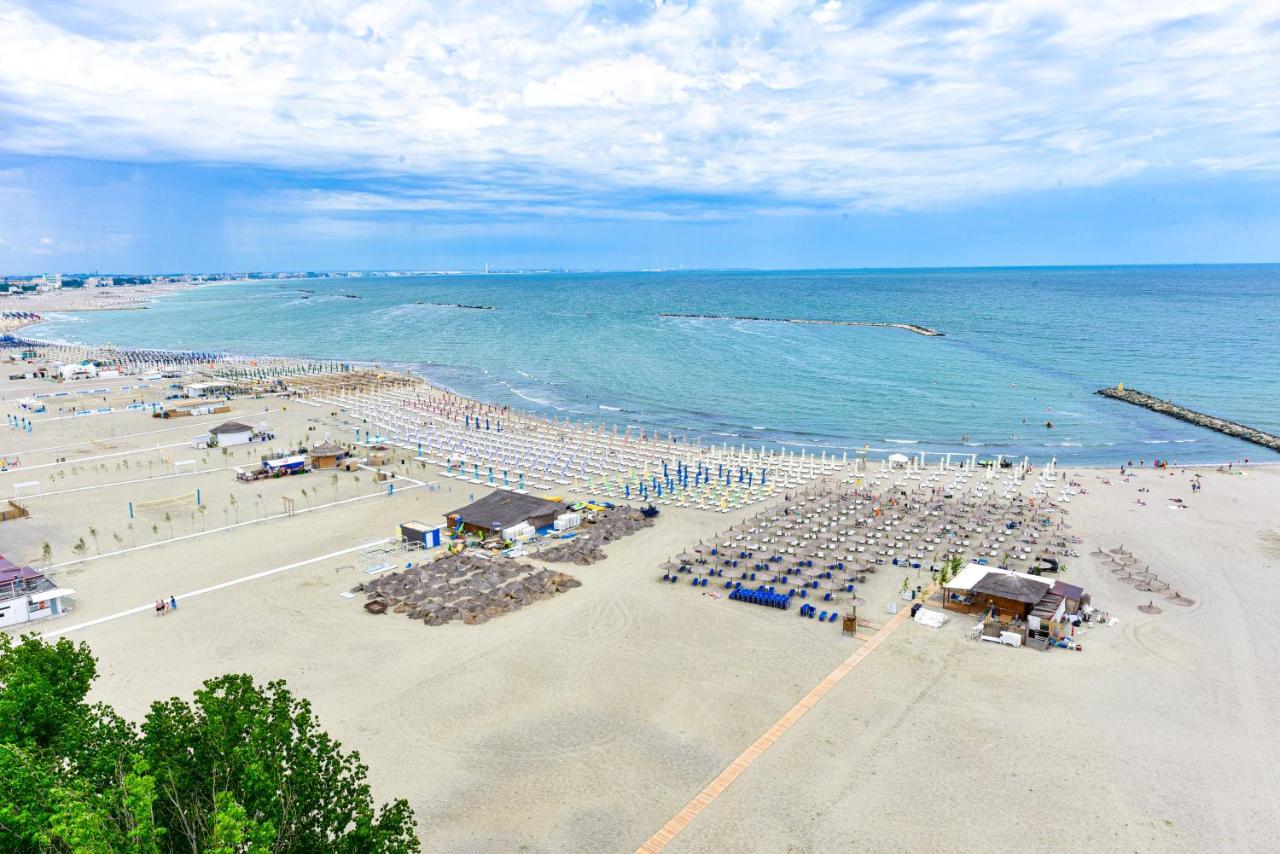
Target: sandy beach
x: 89, y: 299
x: 587, y: 721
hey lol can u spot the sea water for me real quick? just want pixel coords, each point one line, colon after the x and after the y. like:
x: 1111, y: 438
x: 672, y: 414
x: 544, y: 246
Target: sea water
x: 1022, y: 347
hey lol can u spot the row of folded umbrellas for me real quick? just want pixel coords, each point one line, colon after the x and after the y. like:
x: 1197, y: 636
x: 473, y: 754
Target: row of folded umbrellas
x: 1124, y: 566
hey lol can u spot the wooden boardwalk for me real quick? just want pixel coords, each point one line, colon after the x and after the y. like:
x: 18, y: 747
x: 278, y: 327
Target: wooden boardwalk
x: 716, y: 787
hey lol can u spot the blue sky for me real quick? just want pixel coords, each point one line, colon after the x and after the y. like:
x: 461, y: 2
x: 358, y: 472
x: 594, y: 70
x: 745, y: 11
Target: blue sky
x: 232, y: 135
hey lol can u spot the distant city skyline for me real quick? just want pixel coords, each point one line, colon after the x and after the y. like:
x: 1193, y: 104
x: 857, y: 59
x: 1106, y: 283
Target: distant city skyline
x: 636, y: 135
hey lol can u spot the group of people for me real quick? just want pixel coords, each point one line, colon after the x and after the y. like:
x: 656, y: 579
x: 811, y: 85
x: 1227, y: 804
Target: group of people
x: 164, y: 606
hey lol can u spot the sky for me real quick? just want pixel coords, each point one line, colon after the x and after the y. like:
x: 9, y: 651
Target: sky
x: 333, y: 134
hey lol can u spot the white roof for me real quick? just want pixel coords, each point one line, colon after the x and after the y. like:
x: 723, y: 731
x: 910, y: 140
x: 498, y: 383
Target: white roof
x: 55, y: 593
x: 975, y: 572
x: 285, y: 461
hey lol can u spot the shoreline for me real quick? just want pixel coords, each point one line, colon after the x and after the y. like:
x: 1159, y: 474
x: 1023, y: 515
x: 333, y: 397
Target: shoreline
x: 791, y: 440
x: 794, y: 444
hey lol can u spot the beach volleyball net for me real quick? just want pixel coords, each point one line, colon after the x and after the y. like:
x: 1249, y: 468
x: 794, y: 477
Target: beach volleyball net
x: 174, y: 506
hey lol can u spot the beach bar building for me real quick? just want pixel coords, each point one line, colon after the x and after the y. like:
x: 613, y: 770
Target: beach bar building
x: 327, y: 455
x: 979, y: 589
x: 502, y: 510
x: 209, y: 388
x: 27, y: 595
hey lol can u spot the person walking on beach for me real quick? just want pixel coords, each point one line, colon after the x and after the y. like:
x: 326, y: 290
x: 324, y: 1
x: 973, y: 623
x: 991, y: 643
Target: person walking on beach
x: 173, y: 602
x: 159, y: 606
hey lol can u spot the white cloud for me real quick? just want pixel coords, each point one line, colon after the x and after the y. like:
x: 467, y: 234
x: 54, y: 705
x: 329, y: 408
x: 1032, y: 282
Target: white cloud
x: 831, y: 102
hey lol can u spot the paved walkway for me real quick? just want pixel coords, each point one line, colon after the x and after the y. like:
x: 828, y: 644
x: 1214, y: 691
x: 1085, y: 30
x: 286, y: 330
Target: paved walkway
x: 150, y: 606
x: 716, y: 787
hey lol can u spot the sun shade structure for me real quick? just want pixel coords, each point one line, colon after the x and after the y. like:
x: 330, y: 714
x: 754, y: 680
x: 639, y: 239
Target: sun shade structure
x: 1029, y: 591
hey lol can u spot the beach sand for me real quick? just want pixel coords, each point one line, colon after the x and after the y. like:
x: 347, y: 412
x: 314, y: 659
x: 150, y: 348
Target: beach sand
x: 585, y: 722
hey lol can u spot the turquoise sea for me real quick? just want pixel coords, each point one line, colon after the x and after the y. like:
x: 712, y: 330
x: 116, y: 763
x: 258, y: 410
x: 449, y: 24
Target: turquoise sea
x: 1022, y: 346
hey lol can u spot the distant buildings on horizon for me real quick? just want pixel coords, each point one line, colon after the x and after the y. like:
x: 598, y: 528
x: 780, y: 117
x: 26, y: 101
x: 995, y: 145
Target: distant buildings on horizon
x: 57, y: 281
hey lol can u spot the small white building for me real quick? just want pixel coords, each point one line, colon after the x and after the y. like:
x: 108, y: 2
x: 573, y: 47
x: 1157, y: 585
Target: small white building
x: 231, y: 433
x: 27, y: 595
x: 207, y: 389
x: 77, y: 372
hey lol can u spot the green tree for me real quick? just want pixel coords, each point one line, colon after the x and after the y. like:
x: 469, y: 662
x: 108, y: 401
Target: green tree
x: 265, y: 748
x: 241, y: 768
x: 234, y: 832
x: 64, y: 764
x: 79, y: 548
x: 46, y: 554
x: 93, y: 533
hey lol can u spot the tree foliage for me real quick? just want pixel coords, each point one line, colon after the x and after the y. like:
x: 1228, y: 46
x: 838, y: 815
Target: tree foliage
x: 240, y: 768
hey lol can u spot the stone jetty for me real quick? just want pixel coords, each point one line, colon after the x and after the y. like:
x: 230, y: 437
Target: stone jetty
x: 910, y: 327
x: 457, y: 305
x: 1168, y: 407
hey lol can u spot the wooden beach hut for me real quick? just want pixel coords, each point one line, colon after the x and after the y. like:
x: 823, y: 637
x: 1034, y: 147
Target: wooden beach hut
x: 1011, y: 595
x: 978, y: 588
x: 503, y: 509
x: 327, y: 455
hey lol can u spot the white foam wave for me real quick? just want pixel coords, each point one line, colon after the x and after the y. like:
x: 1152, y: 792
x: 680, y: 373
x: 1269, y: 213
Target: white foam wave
x: 530, y: 397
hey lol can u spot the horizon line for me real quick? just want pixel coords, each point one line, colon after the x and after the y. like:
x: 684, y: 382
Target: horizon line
x: 541, y: 270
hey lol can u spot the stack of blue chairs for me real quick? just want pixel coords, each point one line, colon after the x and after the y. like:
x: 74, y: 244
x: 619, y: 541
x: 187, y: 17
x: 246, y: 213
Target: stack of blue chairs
x: 762, y: 596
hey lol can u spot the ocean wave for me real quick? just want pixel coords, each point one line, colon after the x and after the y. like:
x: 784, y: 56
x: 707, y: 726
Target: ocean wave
x: 529, y: 397
x: 903, y: 441
x: 609, y: 408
